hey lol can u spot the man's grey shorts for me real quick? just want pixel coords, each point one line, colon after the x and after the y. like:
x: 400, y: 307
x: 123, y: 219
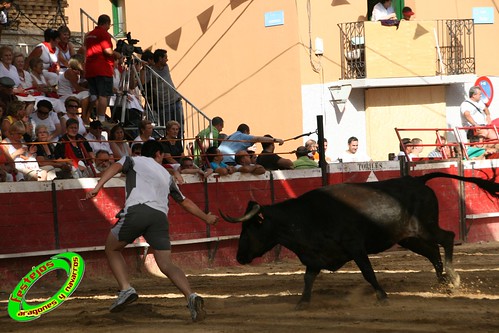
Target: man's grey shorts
x: 142, y: 220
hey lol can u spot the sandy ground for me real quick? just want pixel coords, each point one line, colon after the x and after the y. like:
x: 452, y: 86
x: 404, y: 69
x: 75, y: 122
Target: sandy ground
x: 262, y: 299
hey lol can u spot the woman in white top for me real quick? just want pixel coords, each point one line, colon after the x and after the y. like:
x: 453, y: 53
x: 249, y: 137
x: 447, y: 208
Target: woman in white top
x: 72, y: 104
x: 8, y: 69
x: 40, y: 84
x: 49, y: 54
x: 119, y: 145
x: 69, y: 85
x: 383, y: 11
x: 66, y: 48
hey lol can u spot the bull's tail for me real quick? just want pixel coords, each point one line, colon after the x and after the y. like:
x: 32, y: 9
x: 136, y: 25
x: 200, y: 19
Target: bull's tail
x: 487, y: 185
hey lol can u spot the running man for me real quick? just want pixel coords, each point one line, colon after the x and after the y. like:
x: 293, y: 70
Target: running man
x: 148, y: 185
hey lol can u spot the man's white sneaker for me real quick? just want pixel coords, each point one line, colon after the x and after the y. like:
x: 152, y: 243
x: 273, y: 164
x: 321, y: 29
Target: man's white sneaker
x: 196, y: 307
x: 125, y: 297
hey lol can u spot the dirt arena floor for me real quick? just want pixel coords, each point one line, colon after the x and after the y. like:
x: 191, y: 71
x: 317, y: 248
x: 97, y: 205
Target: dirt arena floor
x: 262, y: 299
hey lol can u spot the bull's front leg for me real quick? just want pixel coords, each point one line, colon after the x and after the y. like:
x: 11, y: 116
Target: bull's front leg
x: 366, y: 268
x: 309, y: 278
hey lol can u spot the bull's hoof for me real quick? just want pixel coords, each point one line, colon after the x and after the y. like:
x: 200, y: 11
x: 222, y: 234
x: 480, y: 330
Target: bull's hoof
x: 452, y: 281
x: 383, y: 301
x: 302, y: 306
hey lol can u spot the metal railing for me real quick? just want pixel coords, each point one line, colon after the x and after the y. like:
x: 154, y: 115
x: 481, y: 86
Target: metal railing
x: 454, y: 49
x: 156, y: 95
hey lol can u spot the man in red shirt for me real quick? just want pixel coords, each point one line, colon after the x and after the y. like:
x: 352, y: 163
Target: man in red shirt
x: 99, y: 66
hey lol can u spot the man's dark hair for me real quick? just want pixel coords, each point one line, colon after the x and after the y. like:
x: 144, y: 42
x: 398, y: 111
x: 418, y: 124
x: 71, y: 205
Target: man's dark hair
x: 150, y: 147
x: 137, y: 147
x: 404, y: 142
x: 352, y: 138
x: 243, y: 128
x: 44, y: 103
x: 211, y: 152
x: 184, y: 159
x: 265, y: 145
x: 103, y: 19
x: 50, y: 34
x: 100, y: 152
x: 147, y: 55
x: 217, y: 121
x: 159, y: 53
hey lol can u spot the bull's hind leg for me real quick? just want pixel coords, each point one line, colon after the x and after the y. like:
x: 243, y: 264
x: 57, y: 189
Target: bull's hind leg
x: 309, y: 278
x: 427, y: 249
x: 446, y: 239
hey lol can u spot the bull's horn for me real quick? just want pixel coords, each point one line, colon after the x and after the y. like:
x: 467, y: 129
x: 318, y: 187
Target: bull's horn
x: 245, y: 217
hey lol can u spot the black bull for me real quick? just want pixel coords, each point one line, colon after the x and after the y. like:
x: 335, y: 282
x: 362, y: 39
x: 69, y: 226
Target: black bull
x: 327, y: 227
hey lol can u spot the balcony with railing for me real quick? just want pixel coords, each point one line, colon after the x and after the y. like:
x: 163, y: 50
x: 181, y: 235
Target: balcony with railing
x: 371, y: 50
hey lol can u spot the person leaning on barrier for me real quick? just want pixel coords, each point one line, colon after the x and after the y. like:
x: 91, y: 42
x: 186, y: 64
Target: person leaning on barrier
x: 438, y: 152
x: 270, y: 160
x: 216, y: 162
x: 242, y: 140
x: 302, y: 159
x: 244, y: 164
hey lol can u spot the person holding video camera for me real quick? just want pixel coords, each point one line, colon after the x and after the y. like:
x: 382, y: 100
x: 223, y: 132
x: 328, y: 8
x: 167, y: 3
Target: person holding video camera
x: 99, y: 66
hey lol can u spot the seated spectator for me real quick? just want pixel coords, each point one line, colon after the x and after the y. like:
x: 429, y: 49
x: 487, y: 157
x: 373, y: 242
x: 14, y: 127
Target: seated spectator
x: 145, y: 132
x: 72, y: 104
x: 208, y: 138
x: 7, y: 166
x: 70, y: 85
x: 45, y: 90
x: 137, y: 149
x: 216, y: 162
x: 103, y: 160
x: 7, y: 69
x: 440, y: 151
x: 75, y: 147
x: 66, y: 48
x: 23, y: 156
x: 244, y: 164
x: 119, y: 145
x: 172, y: 146
x: 241, y: 140
x: 271, y: 161
x: 407, y: 13
x: 95, y: 138
x: 7, y: 90
x: 352, y: 154
x: 16, y: 111
x: 45, y: 116
x: 45, y: 154
x: 416, y: 149
x: 383, y: 10
x: 48, y: 52
x: 25, y: 92
x: 302, y: 159
x: 187, y: 166
x: 405, y: 150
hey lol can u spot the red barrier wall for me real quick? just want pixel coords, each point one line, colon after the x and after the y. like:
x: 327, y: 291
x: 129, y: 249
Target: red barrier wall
x: 29, y: 223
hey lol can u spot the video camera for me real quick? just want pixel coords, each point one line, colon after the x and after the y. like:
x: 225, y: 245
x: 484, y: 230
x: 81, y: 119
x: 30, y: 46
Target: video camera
x: 126, y: 47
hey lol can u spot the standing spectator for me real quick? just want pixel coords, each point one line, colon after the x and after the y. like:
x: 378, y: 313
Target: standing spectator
x: 208, y: 138
x: 95, y: 138
x: 169, y: 102
x: 100, y: 63
x: 383, y: 10
x: 244, y: 164
x: 72, y: 104
x: 271, y: 161
x: 48, y: 52
x: 302, y: 159
x: 328, y: 159
x: 216, y: 162
x: 474, y: 112
x: 312, y: 146
x: 241, y: 140
x: 119, y: 145
x: 352, y: 154
x: 4, y: 17
x: 44, y: 115
x: 148, y: 186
